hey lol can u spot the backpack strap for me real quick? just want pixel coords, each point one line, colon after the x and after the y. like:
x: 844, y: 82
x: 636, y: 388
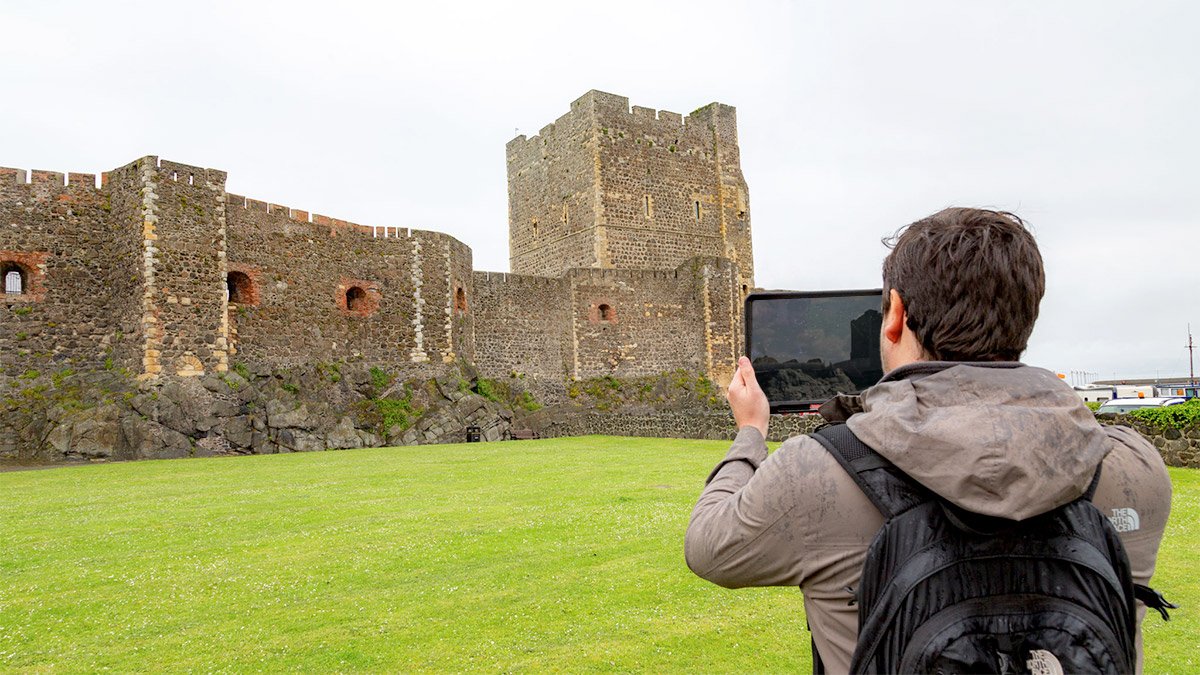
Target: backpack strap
x: 1154, y: 600
x: 888, y: 488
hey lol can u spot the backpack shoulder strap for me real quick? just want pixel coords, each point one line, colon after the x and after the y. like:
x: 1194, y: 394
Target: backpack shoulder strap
x: 888, y: 488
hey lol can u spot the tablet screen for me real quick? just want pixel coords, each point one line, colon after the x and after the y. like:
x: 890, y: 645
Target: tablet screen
x: 808, y: 347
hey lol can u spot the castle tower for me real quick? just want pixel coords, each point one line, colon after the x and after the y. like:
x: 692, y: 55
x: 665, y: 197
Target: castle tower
x: 609, y: 187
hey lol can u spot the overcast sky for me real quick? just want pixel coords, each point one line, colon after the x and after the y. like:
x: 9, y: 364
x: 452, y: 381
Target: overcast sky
x: 854, y: 119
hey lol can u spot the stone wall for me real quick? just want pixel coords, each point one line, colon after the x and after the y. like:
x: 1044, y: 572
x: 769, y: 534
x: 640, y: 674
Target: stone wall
x: 552, y: 196
x: 325, y: 290
x: 184, y: 309
x: 687, y: 318
x: 522, y: 325
x: 1178, y: 447
x: 713, y: 426
x: 607, y: 187
x: 78, y: 248
x: 609, y: 322
x: 627, y: 323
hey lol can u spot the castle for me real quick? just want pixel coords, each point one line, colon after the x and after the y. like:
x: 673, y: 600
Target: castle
x: 630, y: 251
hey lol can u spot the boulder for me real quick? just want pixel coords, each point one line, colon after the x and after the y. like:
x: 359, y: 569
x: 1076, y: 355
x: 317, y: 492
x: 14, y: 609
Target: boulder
x: 295, y: 440
x: 145, y: 439
x: 282, y: 415
x: 96, y: 433
x: 343, y: 435
x: 172, y: 416
x: 221, y: 408
x: 238, y: 431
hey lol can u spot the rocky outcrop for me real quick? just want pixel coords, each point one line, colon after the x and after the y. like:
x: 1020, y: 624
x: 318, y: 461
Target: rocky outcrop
x: 106, y: 416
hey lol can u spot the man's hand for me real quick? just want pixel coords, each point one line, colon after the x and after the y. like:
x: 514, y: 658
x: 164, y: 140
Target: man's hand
x: 747, y: 400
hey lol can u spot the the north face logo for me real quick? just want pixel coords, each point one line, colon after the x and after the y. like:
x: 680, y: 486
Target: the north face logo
x: 1042, y: 662
x: 1125, y: 520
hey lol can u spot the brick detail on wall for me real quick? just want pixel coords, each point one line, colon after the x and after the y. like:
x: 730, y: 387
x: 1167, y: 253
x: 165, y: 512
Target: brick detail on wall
x: 32, y: 265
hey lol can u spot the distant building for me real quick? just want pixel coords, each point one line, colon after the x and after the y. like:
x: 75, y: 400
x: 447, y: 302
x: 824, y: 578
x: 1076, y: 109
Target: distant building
x: 1178, y: 390
x: 1095, y: 393
x: 1175, y: 387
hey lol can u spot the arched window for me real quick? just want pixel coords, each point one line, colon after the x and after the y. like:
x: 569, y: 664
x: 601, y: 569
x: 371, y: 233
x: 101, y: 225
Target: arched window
x: 14, y: 281
x: 460, y: 301
x: 600, y: 311
x: 239, y: 288
x: 356, y: 299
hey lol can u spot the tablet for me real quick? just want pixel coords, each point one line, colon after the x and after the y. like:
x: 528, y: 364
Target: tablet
x: 807, y: 347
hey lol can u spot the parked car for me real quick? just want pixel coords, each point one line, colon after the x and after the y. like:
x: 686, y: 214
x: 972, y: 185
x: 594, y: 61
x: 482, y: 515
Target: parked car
x: 1124, y: 405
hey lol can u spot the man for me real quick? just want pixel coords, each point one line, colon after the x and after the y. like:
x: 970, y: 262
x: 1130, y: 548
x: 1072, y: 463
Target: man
x: 955, y: 411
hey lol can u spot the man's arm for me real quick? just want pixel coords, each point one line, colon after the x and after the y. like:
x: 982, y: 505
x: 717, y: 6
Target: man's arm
x: 740, y: 534
x: 737, y: 535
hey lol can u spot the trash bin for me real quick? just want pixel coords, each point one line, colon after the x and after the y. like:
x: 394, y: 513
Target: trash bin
x: 472, y: 434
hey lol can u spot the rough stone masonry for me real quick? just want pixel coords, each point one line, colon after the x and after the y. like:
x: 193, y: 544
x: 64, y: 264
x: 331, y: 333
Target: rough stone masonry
x: 630, y: 251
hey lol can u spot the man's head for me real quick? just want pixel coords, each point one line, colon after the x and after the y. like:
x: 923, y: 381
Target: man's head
x: 960, y: 285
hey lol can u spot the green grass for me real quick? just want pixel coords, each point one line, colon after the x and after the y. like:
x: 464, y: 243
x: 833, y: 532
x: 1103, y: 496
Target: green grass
x: 561, y: 554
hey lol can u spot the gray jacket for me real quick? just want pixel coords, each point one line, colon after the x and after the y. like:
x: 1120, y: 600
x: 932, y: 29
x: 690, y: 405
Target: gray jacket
x: 999, y: 439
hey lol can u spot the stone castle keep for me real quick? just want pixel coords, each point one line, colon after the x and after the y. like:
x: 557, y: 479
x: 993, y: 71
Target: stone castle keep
x: 629, y: 235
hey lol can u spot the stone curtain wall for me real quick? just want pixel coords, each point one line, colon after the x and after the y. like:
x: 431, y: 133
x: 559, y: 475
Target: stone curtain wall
x: 687, y: 318
x: 607, y: 322
x: 304, y: 270
x: 713, y: 426
x: 522, y: 326
x: 79, y: 247
x: 654, y: 323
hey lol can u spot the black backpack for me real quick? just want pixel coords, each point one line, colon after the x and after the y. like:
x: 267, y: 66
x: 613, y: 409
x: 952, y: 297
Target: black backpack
x: 948, y: 591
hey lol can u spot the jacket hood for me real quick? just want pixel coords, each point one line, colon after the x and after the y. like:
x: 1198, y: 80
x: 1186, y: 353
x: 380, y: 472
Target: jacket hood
x: 1000, y: 439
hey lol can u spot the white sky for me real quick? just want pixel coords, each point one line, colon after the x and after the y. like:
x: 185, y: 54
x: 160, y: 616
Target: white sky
x: 854, y: 119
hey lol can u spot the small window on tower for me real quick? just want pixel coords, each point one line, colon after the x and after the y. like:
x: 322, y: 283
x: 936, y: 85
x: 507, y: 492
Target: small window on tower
x: 240, y: 288
x: 356, y: 299
x: 535, y: 227
x: 697, y: 211
x: 14, y: 282
x: 606, y: 313
x: 460, y: 301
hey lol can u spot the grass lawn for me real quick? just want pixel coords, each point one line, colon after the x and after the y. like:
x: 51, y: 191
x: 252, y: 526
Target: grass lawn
x: 562, y: 554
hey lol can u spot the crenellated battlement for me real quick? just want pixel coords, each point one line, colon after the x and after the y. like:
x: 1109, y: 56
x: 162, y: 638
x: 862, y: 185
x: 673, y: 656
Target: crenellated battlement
x: 332, y: 226
x: 604, y: 111
x: 192, y: 175
x: 515, y: 279
x: 48, y: 179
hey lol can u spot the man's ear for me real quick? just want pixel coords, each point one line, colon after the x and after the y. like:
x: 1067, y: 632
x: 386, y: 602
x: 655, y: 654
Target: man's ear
x: 895, y: 319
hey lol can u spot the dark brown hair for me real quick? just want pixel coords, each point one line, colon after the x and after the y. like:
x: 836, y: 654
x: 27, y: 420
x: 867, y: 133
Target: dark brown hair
x: 971, y: 281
